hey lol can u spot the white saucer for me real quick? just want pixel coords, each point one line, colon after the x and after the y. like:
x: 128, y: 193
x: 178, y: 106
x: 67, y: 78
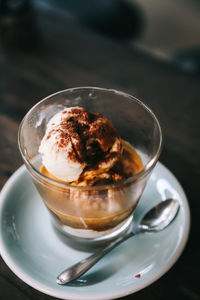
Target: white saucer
x: 35, y: 253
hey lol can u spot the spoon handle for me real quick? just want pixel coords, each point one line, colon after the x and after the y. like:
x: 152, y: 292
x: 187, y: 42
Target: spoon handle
x: 84, y: 265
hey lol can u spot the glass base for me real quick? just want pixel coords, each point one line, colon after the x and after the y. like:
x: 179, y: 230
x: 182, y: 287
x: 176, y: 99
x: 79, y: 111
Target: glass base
x: 85, y: 236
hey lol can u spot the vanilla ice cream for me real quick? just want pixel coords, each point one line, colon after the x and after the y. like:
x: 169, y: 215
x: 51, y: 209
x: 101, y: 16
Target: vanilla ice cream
x: 77, y: 140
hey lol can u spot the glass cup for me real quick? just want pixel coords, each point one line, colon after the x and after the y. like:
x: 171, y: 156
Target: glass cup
x: 93, y: 213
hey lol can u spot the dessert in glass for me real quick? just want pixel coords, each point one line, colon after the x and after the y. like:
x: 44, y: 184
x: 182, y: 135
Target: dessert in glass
x: 90, y: 152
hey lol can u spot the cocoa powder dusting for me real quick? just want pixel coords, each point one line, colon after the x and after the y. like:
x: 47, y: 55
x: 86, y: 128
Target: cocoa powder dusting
x: 82, y: 127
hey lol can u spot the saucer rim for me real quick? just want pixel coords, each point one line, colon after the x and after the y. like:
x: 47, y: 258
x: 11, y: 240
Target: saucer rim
x: 63, y: 294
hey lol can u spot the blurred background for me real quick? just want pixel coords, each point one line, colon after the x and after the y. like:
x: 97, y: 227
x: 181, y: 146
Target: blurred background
x: 168, y: 30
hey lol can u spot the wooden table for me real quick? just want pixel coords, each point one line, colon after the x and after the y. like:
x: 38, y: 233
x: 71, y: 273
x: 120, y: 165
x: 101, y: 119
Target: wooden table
x: 43, y: 52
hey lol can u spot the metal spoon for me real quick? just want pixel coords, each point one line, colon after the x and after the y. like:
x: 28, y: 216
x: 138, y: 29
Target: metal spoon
x: 156, y: 219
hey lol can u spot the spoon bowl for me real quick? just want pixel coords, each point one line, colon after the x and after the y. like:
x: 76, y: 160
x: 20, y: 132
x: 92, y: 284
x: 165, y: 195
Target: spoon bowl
x: 160, y: 216
x: 156, y: 219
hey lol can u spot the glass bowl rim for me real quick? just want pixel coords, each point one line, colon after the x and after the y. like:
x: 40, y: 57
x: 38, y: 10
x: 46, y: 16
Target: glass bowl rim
x: 146, y: 170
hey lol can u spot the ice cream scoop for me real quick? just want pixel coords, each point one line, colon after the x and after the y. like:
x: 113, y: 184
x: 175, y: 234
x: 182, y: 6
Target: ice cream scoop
x: 76, y: 139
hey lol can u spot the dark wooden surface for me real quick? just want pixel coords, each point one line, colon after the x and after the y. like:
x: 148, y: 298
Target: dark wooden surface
x: 43, y: 52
